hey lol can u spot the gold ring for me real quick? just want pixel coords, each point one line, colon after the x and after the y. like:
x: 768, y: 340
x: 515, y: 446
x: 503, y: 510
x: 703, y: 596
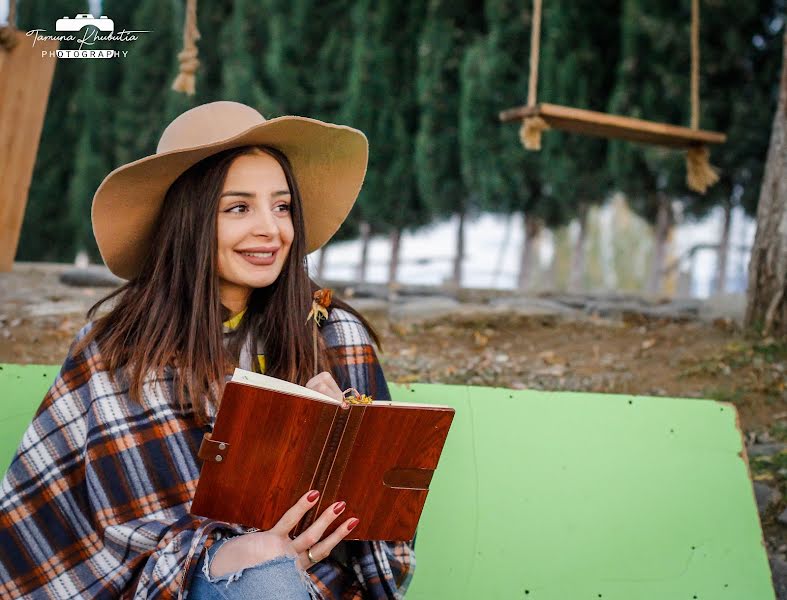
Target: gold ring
x: 311, y: 558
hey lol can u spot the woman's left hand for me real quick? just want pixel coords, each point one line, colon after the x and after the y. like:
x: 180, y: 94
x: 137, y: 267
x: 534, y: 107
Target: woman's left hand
x: 325, y: 384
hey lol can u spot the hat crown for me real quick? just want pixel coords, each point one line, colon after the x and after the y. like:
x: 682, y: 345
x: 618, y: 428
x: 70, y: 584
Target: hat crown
x: 208, y: 124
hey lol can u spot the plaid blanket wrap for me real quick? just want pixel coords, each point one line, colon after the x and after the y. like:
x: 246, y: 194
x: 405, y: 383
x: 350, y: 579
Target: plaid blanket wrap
x: 96, y: 501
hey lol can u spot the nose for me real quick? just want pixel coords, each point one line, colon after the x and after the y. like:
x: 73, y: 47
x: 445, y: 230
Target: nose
x: 264, y: 224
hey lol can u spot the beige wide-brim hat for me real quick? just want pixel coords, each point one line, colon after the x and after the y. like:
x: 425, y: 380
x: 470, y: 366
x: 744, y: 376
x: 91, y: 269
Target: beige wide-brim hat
x: 328, y: 161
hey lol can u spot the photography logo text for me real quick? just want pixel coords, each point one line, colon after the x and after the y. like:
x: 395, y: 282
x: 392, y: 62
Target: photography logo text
x: 86, y: 30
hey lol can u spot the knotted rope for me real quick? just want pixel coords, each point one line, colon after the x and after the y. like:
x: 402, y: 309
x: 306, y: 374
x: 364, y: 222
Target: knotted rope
x: 186, y: 79
x: 700, y: 174
x: 530, y: 131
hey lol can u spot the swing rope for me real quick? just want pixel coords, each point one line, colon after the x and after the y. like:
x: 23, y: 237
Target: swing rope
x: 530, y: 132
x: 186, y: 80
x: 8, y: 31
x: 700, y: 174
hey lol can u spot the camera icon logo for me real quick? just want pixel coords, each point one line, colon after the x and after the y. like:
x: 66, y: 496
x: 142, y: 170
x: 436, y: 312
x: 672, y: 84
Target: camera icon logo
x: 80, y: 21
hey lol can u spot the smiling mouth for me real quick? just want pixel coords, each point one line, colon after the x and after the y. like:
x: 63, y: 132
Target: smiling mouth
x: 259, y: 259
x: 258, y: 254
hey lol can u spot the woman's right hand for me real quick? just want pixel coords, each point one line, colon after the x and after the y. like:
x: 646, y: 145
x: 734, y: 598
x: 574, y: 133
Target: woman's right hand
x: 254, y: 548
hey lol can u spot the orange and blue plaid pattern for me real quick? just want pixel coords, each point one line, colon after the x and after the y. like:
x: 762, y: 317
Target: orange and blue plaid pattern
x: 96, y: 501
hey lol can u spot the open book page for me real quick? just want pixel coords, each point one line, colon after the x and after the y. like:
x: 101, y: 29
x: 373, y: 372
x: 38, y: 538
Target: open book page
x: 267, y: 382
x: 271, y: 383
x: 407, y: 404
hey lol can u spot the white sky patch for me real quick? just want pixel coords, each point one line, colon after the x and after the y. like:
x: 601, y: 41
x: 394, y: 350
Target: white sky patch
x: 492, y: 251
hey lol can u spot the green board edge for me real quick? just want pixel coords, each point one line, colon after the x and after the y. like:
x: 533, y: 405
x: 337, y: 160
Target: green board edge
x: 558, y: 495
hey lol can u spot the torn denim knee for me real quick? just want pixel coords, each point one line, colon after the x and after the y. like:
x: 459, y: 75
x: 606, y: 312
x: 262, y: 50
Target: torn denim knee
x: 230, y: 577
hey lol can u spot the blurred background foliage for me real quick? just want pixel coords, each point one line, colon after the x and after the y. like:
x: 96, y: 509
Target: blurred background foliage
x: 425, y: 81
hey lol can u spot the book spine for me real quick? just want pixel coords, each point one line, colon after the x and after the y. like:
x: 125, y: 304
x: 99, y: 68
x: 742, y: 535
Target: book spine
x: 319, y: 447
x: 342, y: 455
x: 324, y: 466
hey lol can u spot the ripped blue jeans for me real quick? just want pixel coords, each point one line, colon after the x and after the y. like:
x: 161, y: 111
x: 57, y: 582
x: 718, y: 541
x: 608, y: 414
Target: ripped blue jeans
x: 278, y: 578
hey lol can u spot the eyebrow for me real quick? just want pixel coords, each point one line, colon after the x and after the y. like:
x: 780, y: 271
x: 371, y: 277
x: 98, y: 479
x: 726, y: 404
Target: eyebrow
x: 252, y: 195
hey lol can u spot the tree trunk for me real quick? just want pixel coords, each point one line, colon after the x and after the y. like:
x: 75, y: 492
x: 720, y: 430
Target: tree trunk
x: 503, y: 251
x: 767, y: 293
x: 393, y: 266
x: 664, y: 220
x: 576, y: 282
x: 459, y: 253
x: 321, y: 262
x: 363, y: 265
x: 550, y: 281
x: 724, y: 250
x: 532, y: 227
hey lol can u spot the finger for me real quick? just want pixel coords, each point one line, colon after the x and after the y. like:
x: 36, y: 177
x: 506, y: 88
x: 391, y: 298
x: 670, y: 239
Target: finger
x: 333, y: 392
x: 325, y: 385
x: 331, y: 383
x: 323, y: 548
x: 321, y: 377
x: 324, y: 389
x: 328, y: 380
x: 293, y: 516
x: 312, y: 534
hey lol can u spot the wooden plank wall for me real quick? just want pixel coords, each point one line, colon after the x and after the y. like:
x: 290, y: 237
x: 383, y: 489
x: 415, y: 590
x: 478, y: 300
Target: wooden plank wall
x: 25, y: 81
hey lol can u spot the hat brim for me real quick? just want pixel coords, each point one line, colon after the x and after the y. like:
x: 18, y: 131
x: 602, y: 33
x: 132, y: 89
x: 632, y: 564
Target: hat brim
x: 328, y: 161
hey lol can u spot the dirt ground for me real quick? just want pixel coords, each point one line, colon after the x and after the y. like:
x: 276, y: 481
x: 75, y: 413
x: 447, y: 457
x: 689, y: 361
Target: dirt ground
x: 693, y: 360
x: 690, y: 358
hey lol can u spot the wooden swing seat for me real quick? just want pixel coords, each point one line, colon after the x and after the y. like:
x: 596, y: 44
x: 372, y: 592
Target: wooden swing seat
x: 588, y: 122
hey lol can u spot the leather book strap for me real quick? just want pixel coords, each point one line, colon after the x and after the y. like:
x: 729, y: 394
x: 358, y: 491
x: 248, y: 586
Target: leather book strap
x: 318, y: 449
x: 325, y: 462
x: 343, y: 452
x: 212, y: 450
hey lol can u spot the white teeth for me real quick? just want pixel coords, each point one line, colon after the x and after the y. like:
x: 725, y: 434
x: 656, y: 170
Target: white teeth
x: 258, y: 254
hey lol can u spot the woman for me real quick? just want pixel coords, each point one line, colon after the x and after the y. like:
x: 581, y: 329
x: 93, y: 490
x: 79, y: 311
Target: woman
x: 212, y: 233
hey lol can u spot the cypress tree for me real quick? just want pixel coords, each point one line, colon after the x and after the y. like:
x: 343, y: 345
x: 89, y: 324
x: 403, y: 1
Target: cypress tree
x: 239, y: 74
x: 505, y: 178
x: 448, y: 28
x: 95, y: 153
x: 47, y: 233
x: 176, y: 103
x: 740, y: 50
x: 578, y: 54
x: 652, y: 83
x: 91, y: 164
x: 148, y: 71
x: 328, y: 76
x: 382, y: 102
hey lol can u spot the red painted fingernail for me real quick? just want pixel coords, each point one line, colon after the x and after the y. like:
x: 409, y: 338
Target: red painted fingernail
x: 339, y: 507
x: 352, y: 524
x: 313, y: 495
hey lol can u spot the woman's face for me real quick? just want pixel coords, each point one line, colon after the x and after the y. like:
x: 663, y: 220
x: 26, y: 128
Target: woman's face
x: 254, y: 228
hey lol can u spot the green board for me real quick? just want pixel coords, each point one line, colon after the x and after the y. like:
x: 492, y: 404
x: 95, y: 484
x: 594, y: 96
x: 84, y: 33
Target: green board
x: 543, y: 495
x: 22, y: 388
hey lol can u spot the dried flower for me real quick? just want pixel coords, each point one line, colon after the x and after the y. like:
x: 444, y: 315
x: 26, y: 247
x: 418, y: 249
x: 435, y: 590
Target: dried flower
x: 320, y: 303
x: 356, y: 397
x: 321, y: 300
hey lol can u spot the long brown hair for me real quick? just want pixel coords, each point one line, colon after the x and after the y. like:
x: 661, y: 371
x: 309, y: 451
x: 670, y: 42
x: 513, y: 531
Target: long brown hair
x: 170, y: 314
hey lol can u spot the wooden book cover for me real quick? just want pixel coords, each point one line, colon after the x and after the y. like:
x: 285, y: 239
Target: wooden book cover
x: 273, y: 441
